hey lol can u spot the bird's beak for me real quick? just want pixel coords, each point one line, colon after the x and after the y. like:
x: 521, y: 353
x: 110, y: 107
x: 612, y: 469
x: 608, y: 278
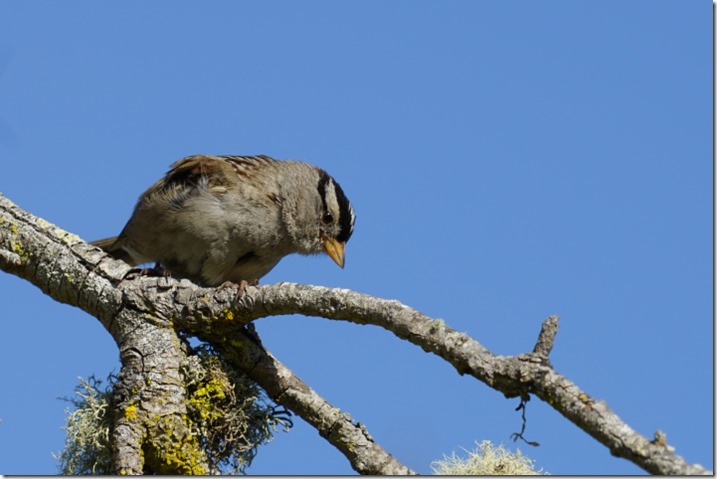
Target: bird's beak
x: 335, y: 250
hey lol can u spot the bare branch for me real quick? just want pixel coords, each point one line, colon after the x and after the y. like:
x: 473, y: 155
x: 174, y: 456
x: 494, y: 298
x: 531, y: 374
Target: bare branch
x: 546, y: 338
x: 283, y: 386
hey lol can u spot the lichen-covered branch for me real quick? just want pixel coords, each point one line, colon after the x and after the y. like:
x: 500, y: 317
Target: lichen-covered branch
x: 151, y: 432
x: 69, y: 270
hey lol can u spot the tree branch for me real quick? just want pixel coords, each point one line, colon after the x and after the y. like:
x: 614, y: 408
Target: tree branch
x: 512, y: 375
x: 284, y: 387
x: 139, y: 315
x: 71, y: 271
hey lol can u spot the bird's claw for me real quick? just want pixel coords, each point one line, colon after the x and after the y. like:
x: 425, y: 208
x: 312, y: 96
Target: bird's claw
x: 240, y: 287
x: 249, y: 328
x: 157, y: 270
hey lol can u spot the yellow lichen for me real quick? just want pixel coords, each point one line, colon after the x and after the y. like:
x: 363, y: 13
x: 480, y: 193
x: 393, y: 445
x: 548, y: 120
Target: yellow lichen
x: 177, y: 454
x: 131, y: 413
x: 202, y: 400
x: 20, y: 251
x: 219, y: 430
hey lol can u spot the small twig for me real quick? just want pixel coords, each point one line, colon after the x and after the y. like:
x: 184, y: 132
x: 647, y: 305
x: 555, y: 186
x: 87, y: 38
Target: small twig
x: 546, y: 338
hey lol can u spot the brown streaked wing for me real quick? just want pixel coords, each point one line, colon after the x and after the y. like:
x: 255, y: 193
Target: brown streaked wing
x: 243, y: 165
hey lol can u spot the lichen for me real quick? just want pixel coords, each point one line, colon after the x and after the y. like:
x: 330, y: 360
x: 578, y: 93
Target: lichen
x: 227, y: 418
x: 437, y: 324
x: 227, y: 410
x: 16, y: 245
x: 172, y: 452
x: 486, y: 460
x: 131, y: 413
x: 204, y: 399
x: 87, y: 429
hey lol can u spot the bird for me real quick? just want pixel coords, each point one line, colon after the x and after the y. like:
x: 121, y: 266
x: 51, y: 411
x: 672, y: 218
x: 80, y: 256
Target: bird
x: 219, y: 220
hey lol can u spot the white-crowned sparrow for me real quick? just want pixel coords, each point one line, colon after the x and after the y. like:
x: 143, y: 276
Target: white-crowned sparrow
x: 217, y: 219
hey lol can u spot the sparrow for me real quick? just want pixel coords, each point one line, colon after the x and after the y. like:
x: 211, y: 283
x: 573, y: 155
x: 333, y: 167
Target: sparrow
x: 228, y: 219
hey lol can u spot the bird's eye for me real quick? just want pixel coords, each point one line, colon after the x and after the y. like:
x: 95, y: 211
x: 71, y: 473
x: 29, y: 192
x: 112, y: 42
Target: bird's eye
x: 327, y: 218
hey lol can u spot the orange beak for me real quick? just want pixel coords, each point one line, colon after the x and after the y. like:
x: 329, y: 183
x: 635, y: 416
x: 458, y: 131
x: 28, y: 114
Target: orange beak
x: 335, y: 250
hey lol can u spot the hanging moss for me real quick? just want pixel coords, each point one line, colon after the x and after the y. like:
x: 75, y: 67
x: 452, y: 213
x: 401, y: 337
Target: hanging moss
x: 87, y: 430
x: 486, y: 460
x: 228, y: 415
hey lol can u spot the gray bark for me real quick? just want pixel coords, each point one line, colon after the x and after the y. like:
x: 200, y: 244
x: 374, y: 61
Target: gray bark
x: 144, y: 316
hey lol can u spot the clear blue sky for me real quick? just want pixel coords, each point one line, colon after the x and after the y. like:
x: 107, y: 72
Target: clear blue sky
x: 507, y: 160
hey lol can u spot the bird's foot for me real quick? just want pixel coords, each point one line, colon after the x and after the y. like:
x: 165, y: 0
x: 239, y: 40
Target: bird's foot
x: 157, y: 270
x: 240, y: 287
x: 249, y: 328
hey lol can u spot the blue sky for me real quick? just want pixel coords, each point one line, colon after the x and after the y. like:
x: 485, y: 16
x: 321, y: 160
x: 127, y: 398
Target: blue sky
x: 507, y: 160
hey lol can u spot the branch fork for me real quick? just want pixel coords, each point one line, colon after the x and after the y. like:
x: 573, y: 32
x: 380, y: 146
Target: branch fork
x: 148, y: 320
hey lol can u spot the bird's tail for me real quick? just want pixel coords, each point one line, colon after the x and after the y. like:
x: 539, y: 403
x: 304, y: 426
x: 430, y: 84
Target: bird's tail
x: 106, y: 244
x: 111, y: 247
